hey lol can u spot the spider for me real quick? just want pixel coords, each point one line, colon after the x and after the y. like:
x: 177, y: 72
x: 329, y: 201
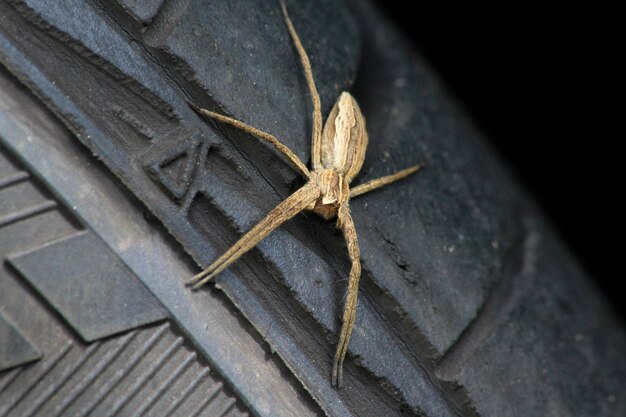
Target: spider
x: 337, y: 153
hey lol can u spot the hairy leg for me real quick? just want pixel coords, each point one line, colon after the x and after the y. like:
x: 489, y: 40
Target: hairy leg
x: 349, y: 314
x: 293, y: 158
x: 291, y: 206
x: 316, y: 140
x: 379, y: 182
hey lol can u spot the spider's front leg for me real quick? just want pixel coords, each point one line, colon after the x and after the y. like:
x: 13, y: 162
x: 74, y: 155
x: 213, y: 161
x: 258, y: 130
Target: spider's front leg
x: 271, y: 139
x: 345, y: 223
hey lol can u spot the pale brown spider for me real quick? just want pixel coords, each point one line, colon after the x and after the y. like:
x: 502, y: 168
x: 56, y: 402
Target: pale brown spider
x: 337, y: 155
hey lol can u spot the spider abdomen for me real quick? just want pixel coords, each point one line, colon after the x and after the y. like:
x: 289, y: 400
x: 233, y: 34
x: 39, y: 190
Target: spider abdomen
x: 344, y: 138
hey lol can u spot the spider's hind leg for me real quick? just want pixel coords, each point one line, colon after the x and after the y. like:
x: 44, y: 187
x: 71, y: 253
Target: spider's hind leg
x: 349, y: 313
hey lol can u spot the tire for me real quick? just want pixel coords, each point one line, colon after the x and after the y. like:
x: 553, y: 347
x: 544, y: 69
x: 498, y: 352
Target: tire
x: 113, y: 192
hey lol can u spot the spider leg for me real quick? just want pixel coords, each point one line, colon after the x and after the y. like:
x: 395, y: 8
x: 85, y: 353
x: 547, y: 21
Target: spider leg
x: 379, y: 182
x: 291, y: 206
x: 293, y: 158
x: 316, y: 140
x: 349, y: 314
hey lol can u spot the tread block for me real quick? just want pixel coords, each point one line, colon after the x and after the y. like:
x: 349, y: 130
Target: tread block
x: 142, y: 10
x: 89, y: 286
x: 551, y: 346
x: 15, y: 349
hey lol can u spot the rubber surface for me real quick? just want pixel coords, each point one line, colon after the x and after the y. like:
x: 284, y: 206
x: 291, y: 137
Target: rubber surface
x: 468, y: 306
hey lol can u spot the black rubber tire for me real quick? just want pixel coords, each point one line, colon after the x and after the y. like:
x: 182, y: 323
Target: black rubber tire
x: 111, y: 187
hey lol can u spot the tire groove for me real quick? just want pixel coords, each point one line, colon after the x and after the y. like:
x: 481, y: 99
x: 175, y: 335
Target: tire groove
x: 166, y: 19
x: 9, y: 377
x: 123, y: 371
x: 27, y: 212
x: 143, y: 378
x: 46, y: 367
x: 66, y: 375
x: 189, y: 389
x: 13, y: 179
x: 86, y: 382
x: 230, y: 403
x: 167, y: 383
x: 215, y: 389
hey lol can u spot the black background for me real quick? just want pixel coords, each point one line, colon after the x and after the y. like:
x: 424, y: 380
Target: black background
x: 541, y: 83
